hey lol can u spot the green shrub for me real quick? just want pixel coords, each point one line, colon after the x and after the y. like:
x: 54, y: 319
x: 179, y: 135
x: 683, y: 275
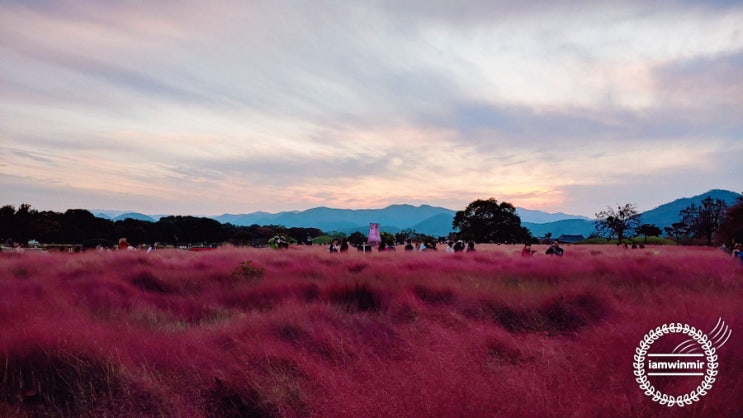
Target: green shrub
x: 247, y: 271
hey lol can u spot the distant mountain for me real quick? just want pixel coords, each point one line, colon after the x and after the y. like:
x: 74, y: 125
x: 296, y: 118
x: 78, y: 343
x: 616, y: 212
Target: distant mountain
x: 133, y: 215
x: 391, y: 219
x: 432, y: 220
x: 243, y: 219
x: 667, y: 214
x: 118, y: 215
x: 564, y: 227
x: 437, y: 225
x: 425, y: 219
x: 106, y: 214
x: 539, y: 217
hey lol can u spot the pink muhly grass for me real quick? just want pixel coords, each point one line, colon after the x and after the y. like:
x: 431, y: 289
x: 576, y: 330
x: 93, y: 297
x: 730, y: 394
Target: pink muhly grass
x: 381, y: 334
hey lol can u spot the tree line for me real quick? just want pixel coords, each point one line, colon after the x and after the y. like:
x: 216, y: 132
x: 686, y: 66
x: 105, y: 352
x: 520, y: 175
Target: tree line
x: 79, y: 226
x: 710, y: 222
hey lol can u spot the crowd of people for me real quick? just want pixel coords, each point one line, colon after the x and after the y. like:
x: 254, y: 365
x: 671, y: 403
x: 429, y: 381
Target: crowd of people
x: 451, y: 246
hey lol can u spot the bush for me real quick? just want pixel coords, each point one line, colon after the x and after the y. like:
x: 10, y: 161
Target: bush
x: 247, y: 271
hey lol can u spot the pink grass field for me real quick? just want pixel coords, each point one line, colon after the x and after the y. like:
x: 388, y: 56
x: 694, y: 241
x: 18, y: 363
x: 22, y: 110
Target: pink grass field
x: 300, y: 332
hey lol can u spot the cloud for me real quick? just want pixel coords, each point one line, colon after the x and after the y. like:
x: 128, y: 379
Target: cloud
x: 285, y: 105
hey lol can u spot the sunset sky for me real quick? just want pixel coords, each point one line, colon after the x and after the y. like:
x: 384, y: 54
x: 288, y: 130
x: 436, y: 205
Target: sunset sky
x: 204, y: 108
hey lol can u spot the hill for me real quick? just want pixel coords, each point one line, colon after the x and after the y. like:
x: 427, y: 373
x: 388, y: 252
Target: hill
x: 539, y: 217
x: 565, y: 227
x: 667, y: 214
x: 244, y: 219
x: 134, y: 215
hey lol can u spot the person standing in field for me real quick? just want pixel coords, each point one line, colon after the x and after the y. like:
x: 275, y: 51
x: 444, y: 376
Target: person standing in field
x: 555, y: 249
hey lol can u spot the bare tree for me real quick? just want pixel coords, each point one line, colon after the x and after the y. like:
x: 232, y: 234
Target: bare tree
x: 617, y: 222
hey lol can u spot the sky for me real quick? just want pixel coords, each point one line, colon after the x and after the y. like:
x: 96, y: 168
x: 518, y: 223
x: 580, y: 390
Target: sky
x: 203, y: 108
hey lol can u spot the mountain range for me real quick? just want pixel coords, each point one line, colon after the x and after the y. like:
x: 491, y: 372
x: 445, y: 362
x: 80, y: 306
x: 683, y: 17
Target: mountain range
x: 433, y: 220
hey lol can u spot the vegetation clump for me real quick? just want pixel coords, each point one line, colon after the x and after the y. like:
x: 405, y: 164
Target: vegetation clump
x: 247, y: 271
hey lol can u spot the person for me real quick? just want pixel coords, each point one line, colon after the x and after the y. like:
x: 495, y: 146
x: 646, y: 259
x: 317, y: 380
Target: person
x: 527, y: 250
x: 344, y: 245
x: 123, y: 244
x: 470, y: 246
x: 459, y: 246
x: 333, y: 248
x: 409, y: 245
x: 738, y: 251
x: 555, y: 249
x: 449, y: 247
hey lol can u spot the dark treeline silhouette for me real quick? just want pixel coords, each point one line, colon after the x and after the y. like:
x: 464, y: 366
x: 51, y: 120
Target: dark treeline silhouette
x: 79, y: 226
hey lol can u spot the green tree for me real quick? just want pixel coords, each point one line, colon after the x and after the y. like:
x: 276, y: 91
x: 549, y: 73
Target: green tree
x: 357, y: 238
x: 490, y: 221
x: 705, y: 219
x: 387, y: 237
x: 618, y: 222
x: 648, y: 230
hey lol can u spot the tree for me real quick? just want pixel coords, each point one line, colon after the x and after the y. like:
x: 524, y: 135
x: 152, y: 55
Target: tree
x: 618, y: 222
x: 731, y: 228
x: 405, y: 235
x: 23, y: 219
x: 547, y: 238
x: 357, y: 238
x: 705, y: 219
x: 300, y: 234
x: 490, y: 221
x: 387, y: 237
x: 648, y: 230
x: 677, y: 230
x: 7, y: 224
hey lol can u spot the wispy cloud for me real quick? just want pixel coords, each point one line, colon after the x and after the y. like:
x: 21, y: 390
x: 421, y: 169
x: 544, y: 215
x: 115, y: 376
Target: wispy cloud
x: 273, y: 105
